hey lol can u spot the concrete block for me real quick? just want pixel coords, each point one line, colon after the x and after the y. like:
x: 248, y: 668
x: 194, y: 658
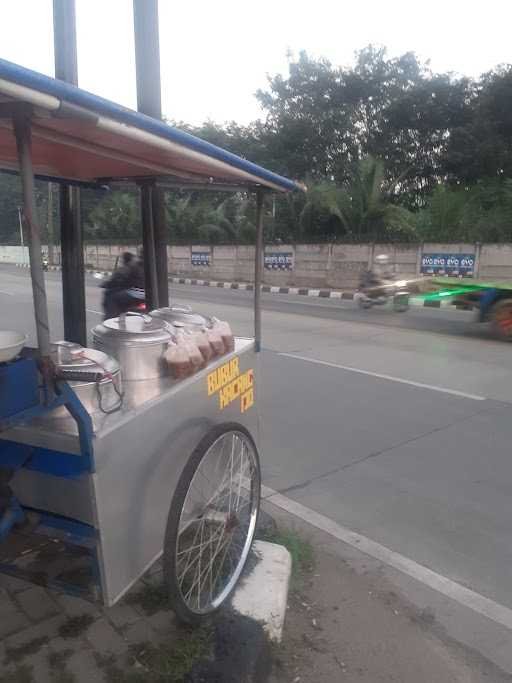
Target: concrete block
x: 122, y: 615
x: 84, y: 669
x: 12, y: 584
x: 105, y: 639
x: 139, y: 632
x: 12, y: 619
x: 37, y: 604
x: 47, y: 629
x: 75, y: 607
x: 263, y: 593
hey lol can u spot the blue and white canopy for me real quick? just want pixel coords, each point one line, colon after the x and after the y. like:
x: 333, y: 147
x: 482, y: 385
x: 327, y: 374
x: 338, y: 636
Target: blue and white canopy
x: 79, y: 137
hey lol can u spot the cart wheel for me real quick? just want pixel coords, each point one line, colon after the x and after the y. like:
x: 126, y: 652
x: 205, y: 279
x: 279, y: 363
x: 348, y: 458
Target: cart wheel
x: 501, y: 319
x: 211, y: 522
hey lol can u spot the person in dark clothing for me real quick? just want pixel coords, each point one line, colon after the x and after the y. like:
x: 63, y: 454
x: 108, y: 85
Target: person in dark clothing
x: 125, y: 288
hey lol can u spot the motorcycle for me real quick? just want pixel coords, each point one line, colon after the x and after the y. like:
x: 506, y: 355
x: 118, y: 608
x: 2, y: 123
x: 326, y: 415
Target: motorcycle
x: 118, y: 301
x: 379, y: 295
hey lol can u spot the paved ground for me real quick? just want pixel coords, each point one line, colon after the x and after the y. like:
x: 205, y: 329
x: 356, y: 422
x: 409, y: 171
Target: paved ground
x: 425, y: 471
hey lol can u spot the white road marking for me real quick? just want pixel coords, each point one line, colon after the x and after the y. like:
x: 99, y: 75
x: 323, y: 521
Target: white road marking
x: 500, y: 614
x: 390, y: 378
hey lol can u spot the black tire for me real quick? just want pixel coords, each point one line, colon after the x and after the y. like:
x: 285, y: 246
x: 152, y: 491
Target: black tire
x: 171, y: 544
x: 501, y: 319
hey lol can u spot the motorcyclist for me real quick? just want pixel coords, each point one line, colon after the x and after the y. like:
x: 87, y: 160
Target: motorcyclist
x: 125, y: 288
x: 378, y: 275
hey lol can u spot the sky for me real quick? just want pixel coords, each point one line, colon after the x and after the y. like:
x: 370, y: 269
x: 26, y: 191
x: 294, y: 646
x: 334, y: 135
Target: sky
x: 215, y: 55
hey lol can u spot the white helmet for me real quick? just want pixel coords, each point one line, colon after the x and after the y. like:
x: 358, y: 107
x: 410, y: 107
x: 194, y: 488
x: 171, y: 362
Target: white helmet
x: 382, y: 259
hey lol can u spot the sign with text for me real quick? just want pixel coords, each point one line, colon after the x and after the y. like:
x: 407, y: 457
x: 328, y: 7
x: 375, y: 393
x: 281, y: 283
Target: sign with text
x: 277, y: 260
x: 200, y: 258
x: 456, y: 265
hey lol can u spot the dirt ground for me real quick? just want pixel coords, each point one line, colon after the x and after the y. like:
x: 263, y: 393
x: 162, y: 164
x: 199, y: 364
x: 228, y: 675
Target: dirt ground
x: 347, y: 627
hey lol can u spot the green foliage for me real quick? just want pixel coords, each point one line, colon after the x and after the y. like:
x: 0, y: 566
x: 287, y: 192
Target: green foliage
x: 360, y: 209
x: 373, y: 141
x: 481, y: 212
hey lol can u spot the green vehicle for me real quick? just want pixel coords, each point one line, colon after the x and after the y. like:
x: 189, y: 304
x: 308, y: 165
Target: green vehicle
x: 491, y: 300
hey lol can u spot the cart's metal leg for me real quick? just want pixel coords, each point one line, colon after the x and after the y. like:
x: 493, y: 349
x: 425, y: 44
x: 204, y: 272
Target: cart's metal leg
x: 258, y: 259
x: 23, y: 133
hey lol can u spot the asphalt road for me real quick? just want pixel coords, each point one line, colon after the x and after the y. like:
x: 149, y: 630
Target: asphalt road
x: 419, y: 460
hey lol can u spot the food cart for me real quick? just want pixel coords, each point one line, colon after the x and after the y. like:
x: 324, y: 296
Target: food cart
x: 91, y: 495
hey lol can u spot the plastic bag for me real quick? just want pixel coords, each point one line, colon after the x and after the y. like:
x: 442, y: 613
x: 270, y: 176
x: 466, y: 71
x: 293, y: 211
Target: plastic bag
x: 224, y: 329
x: 178, y: 361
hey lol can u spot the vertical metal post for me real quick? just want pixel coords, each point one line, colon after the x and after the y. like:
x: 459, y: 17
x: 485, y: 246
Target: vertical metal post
x: 258, y: 264
x: 71, y: 240
x: 147, y: 63
x: 148, y: 242
x: 160, y: 238
x: 49, y: 224
x: 23, y: 135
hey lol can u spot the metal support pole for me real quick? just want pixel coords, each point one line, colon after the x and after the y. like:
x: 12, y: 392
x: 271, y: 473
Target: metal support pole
x: 258, y: 264
x: 147, y: 63
x: 49, y: 224
x: 160, y: 238
x: 23, y: 135
x: 71, y: 238
x: 148, y: 241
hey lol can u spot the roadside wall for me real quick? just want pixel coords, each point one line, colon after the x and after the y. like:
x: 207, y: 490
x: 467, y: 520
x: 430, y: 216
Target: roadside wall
x: 335, y: 266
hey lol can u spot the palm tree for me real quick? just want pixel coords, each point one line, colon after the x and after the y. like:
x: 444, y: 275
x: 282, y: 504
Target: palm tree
x: 360, y: 207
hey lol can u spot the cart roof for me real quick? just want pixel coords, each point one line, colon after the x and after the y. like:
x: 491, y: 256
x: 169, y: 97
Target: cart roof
x: 80, y: 137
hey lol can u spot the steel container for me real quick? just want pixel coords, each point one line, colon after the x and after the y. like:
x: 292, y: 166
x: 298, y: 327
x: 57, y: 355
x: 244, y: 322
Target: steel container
x: 100, y: 390
x: 138, y: 342
x: 180, y: 314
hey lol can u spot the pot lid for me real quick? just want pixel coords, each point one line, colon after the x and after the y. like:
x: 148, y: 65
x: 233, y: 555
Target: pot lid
x: 182, y: 314
x: 70, y: 357
x: 133, y: 329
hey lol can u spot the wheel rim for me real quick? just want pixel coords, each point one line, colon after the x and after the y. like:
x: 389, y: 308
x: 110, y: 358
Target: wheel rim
x: 217, y: 522
x: 504, y: 320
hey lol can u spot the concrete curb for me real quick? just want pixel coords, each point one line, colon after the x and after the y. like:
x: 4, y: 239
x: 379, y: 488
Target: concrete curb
x: 243, y: 634
x: 269, y: 289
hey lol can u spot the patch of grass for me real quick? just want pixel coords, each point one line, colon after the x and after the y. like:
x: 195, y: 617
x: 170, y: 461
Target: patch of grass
x: 14, y: 654
x: 299, y: 548
x: 152, y: 598
x: 168, y: 663
x: 75, y: 626
x: 22, y: 674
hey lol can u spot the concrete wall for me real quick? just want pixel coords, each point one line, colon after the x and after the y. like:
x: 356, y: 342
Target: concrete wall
x: 314, y: 265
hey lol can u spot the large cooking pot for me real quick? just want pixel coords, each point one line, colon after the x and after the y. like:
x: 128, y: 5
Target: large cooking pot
x: 94, y: 376
x: 137, y: 341
x: 181, y: 314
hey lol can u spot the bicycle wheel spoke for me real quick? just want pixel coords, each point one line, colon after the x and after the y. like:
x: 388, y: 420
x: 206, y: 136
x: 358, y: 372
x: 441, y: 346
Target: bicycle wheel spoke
x: 217, y: 522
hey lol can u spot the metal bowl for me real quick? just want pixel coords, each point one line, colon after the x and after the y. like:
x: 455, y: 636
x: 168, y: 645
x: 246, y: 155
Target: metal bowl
x: 11, y: 344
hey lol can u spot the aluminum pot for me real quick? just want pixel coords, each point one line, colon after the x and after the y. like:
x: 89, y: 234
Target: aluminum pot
x: 137, y: 341
x: 181, y: 314
x: 100, y: 390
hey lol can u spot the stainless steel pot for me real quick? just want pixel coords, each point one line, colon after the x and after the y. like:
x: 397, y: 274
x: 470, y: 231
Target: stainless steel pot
x: 181, y: 314
x: 138, y: 342
x: 100, y: 390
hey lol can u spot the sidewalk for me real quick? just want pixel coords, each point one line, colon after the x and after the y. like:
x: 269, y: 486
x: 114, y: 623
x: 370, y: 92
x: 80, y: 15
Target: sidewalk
x: 350, y: 625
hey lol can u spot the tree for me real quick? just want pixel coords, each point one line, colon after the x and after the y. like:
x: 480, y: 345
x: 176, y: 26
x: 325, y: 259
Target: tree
x: 360, y: 208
